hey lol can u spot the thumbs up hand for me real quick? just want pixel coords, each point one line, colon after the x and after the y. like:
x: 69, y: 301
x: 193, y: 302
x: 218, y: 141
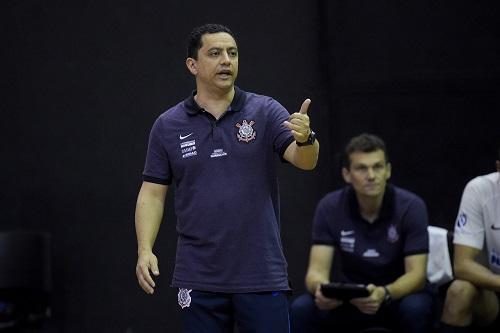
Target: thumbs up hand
x: 299, y: 124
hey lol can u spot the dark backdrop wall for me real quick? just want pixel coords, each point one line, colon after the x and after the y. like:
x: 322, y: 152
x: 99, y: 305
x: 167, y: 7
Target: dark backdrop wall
x: 84, y: 81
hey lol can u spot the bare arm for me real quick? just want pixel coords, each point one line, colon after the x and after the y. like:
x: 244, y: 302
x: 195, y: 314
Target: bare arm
x: 304, y: 157
x: 320, y: 263
x: 318, y: 273
x: 148, y: 217
x: 413, y: 279
x: 466, y: 268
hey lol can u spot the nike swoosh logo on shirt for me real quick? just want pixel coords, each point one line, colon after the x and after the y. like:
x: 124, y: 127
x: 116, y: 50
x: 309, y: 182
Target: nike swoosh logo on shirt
x: 185, y: 136
x: 495, y: 227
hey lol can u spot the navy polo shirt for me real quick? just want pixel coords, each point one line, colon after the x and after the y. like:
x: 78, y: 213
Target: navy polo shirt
x: 372, y: 252
x: 226, y: 192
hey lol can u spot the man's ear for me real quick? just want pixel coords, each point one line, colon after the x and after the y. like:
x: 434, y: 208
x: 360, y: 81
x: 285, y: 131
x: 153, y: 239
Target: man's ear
x: 346, y: 175
x: 389, y: 170
x: 191, y: 65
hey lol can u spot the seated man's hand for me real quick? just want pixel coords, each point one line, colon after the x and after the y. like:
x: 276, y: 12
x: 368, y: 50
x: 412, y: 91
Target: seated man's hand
x: 372, y: 303
x: 325, y: 303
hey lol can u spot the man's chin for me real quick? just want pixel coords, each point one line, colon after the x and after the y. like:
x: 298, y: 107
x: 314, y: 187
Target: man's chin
x: 372, y: 193
x: 225, y: 85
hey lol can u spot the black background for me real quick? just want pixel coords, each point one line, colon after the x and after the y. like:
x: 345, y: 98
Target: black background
x: 83, y: 81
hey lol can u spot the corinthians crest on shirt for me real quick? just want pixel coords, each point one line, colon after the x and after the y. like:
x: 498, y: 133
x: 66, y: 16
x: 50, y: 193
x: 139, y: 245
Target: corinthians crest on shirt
x: 392, y: 234
x: 246, y: 132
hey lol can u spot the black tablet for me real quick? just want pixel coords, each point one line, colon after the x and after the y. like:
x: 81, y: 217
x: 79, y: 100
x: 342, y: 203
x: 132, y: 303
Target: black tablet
x: 344, y: 291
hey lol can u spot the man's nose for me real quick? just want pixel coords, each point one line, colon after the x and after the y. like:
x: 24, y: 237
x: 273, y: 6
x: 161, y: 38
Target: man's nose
x: 371, y: 173
x: 225, y: 57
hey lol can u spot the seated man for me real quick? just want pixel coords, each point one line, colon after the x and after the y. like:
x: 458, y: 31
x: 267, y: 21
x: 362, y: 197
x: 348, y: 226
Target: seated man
x: 379, y: 233
x: 471, y: 298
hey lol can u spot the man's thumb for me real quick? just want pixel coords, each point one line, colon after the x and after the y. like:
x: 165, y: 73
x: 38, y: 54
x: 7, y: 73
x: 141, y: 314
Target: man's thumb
x: 305, y: 106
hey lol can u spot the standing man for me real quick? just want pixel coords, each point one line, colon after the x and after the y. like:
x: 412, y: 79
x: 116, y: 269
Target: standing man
x: 218, y: 147
x: 379, y: 233
x: 474, y: 296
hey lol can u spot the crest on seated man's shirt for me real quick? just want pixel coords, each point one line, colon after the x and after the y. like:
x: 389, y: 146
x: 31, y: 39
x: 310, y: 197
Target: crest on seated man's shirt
x: 392, y: 234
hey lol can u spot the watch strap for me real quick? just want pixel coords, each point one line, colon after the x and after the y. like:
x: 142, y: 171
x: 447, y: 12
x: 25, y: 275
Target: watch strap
x: 310, y: 140
x: 388, y: 296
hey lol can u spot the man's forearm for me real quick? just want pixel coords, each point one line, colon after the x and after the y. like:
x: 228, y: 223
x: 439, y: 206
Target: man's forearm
x: 305, y: 157
x: 406, y: 284
x: 478, y: 275
x: 314, y: 280
x: 148, y: 217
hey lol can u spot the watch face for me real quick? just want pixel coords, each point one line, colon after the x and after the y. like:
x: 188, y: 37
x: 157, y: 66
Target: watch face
x: 387, y: 298
x: 312, y: 137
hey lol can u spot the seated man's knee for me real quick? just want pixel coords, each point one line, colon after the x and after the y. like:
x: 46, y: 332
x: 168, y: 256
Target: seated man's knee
x: 302, y: 310
x: 303, y: 303
x: 460, y: 294
x: 416, y: 312
x: 417, y: 305
x: 304, y: 314
x: 458, y: 303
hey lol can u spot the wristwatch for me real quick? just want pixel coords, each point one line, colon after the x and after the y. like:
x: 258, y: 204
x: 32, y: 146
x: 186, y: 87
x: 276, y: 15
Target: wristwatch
x: 387, y: 297
x: 310, y: 140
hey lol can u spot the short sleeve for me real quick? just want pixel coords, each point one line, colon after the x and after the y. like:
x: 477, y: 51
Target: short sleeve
x: 157, y: 166
x: 322, y: 233
x: 416, y: 222
x: 280, y: 135
x: 469, y: 227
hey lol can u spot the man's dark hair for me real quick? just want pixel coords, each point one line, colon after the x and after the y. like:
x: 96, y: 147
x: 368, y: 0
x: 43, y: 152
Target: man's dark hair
x: 194, y: 38
x: 364, y: 143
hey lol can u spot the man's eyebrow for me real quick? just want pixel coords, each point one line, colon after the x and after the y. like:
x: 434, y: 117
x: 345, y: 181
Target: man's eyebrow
x: 367, y: 165
x: 222, y: 48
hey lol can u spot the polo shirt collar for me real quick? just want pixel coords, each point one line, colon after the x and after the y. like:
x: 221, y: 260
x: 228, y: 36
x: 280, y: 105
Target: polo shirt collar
x: 192, y: 108
x: 386, y: 210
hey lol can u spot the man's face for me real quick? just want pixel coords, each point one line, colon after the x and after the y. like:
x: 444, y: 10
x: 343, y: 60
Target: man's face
x: 368, y: 173
x: 217, y: 63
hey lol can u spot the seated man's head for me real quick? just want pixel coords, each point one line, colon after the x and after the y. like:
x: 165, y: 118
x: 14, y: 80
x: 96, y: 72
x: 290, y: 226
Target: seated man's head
x: 366, y: 165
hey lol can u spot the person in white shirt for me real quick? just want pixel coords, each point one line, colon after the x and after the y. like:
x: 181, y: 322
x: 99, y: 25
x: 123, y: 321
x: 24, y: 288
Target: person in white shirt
x: 473, y: 298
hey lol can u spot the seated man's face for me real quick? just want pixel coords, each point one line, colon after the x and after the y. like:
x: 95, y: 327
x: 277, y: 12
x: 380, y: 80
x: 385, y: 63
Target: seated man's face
x: 368, y: 173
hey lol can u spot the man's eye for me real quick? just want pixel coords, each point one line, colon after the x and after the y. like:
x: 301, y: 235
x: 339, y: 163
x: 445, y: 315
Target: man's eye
x: 214, y: 53
x: 233, y: 53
